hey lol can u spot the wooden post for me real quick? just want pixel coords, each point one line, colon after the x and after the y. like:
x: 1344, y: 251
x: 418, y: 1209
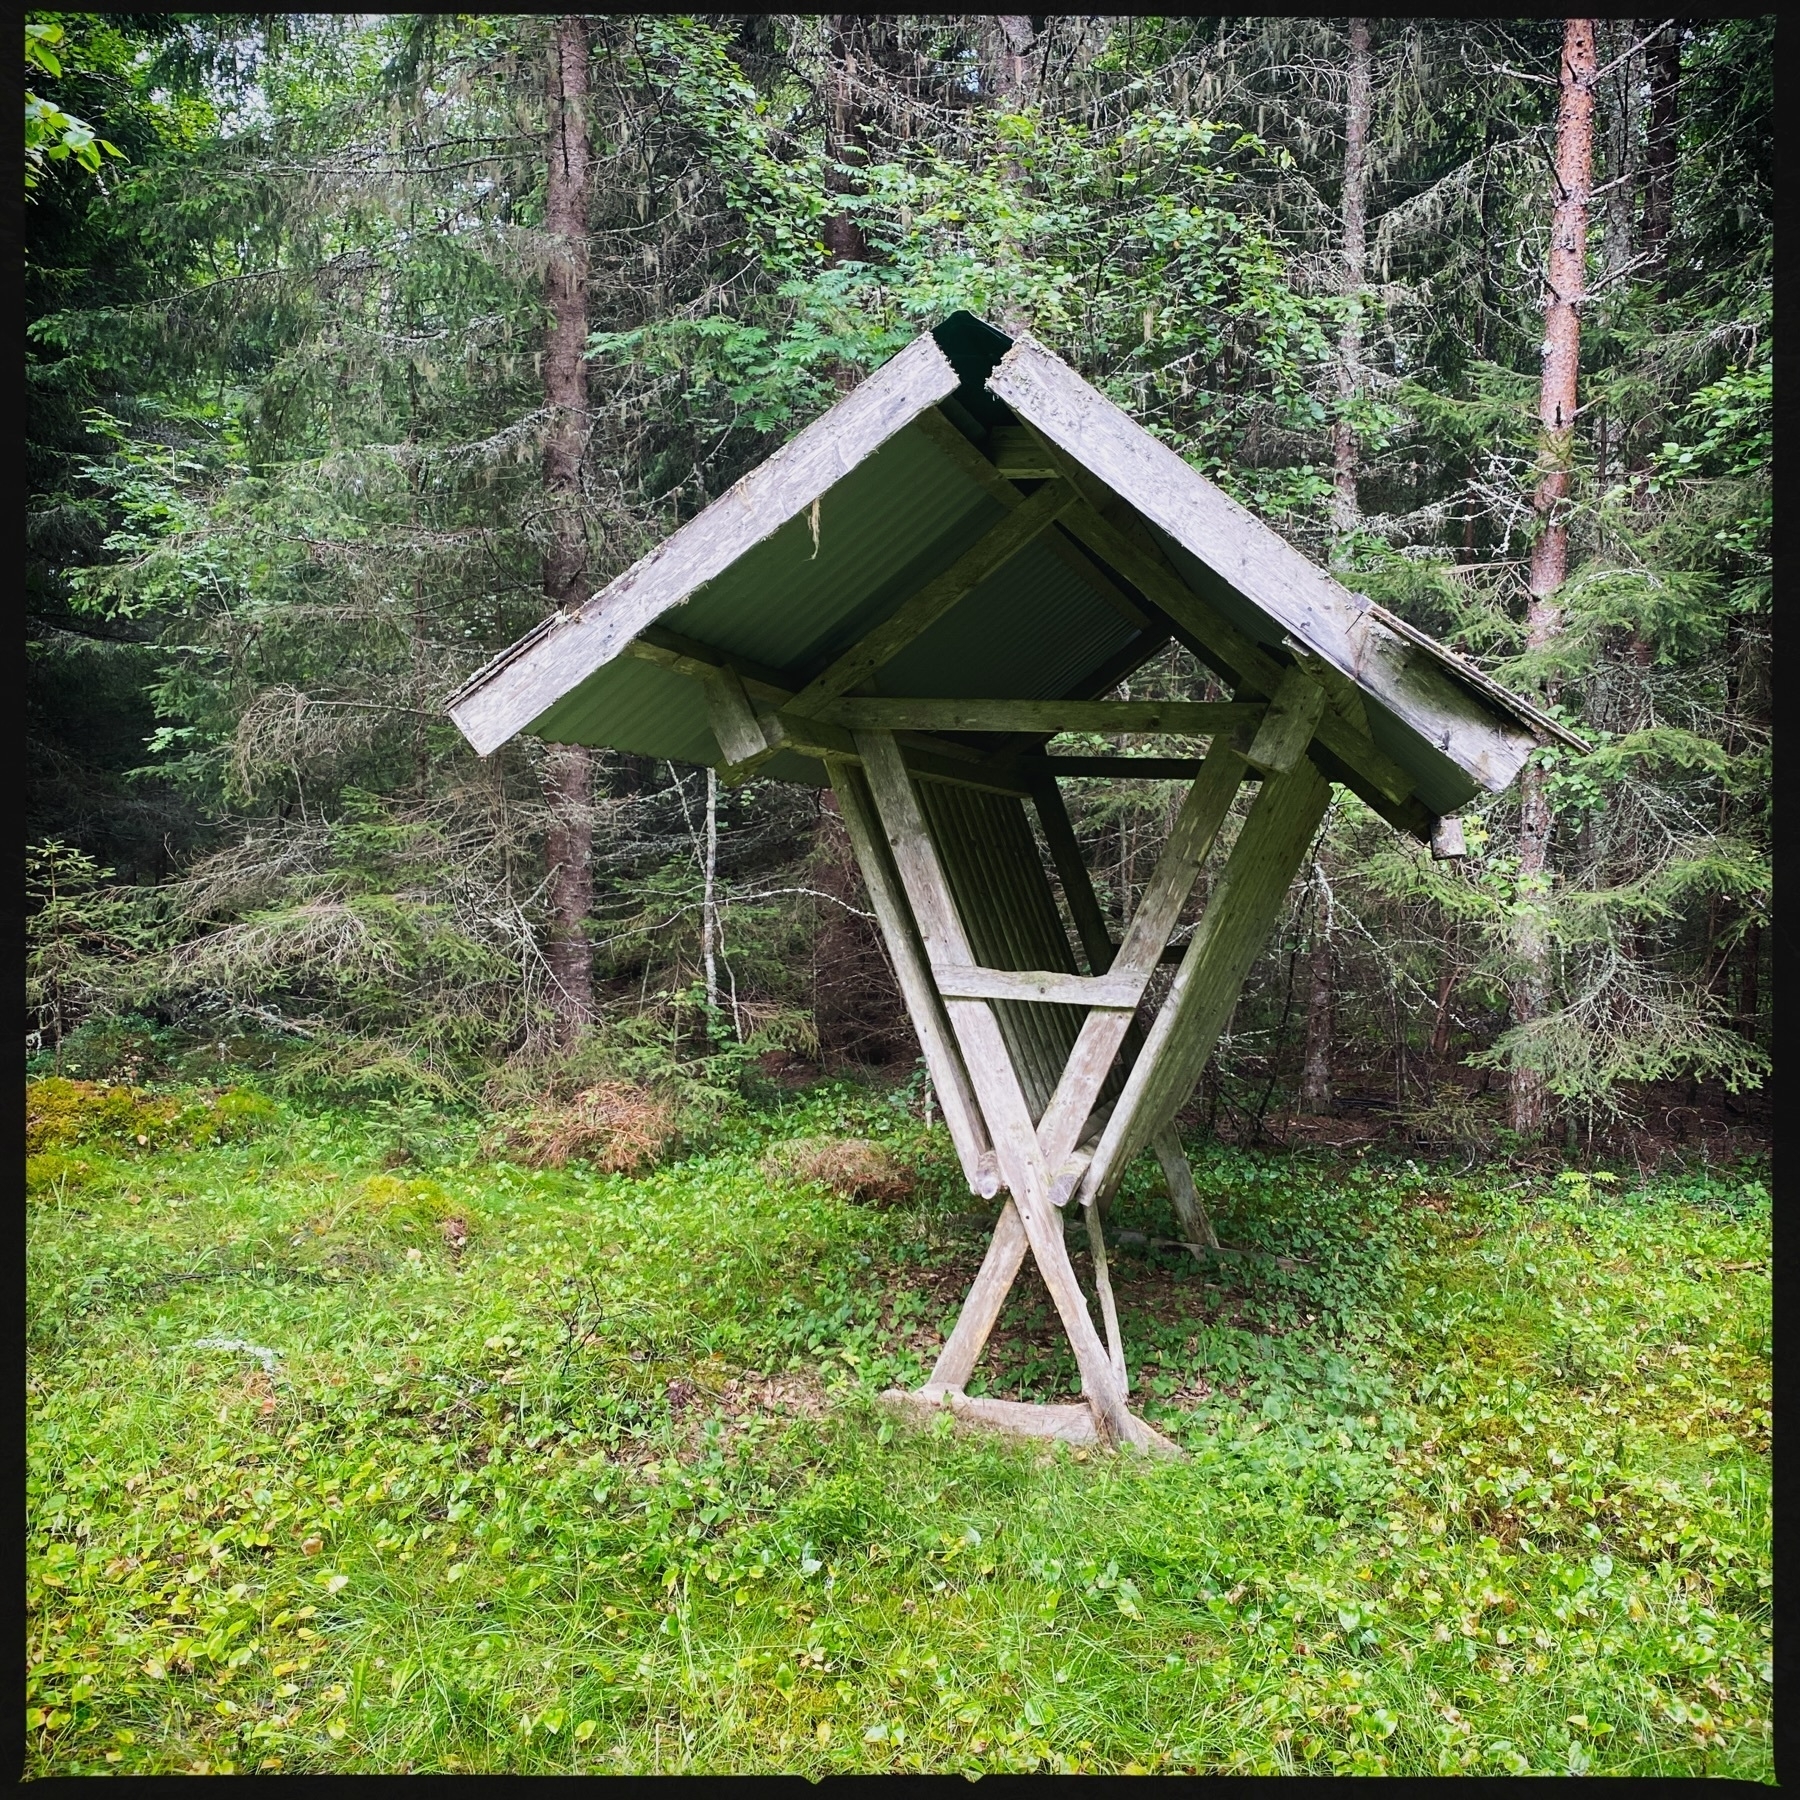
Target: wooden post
x: 962, y: 1113
x: 1236, y: 922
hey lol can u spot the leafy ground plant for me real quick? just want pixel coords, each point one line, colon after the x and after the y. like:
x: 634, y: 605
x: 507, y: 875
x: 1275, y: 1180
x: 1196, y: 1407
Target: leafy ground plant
x: 336, y: 1468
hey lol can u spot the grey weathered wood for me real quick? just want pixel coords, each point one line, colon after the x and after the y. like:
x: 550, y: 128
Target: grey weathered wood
x: 1251, y: 670
x: 700, y: 661
x: 1040, y: 984
x: 1414, y: 678
x: 1184, y: 718
x: 1071, y: 870
x: 981, y: 1306
x: 1284, y: 734
x: 1447, y: 840
x: 733, y: 720
x: 990, y: 1071
x: 517, y: 687
x: 918, y: 614
x: 1109, y: 1311
x: 1242, y: 907
x: 1018, y: 1418
x: 1102, y: 1034
x: 1110, y: 768
x: 943, y: 1060
x: 1190, y: 1214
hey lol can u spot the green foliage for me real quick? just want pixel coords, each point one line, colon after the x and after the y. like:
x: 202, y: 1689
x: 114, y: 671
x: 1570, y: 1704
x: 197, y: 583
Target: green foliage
x: 1477, y: 1477
x: 52, y: 135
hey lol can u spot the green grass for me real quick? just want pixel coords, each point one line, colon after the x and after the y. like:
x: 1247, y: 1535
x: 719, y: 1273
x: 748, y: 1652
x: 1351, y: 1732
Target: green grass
x: 1482, y: 1484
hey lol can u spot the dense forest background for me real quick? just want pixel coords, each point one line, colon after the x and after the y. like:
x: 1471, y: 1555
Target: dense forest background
x: 303, y: 454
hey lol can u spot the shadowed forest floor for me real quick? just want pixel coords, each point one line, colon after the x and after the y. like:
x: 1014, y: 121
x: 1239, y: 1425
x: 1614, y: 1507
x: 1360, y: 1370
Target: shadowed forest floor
x: 360, y: 1452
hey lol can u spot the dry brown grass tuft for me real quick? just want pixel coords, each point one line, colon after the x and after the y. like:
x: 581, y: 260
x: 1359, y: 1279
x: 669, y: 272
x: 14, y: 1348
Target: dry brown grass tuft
x: 617, y: 1126
x: 854, y: 1167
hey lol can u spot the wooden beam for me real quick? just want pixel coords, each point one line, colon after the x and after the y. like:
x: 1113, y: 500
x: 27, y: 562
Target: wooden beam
x: 1285, y: 733
x: 1196, y: 1227
x: 1196, y: 827
x: 735, y: 726
x: 1040, y: 984
x: 1179, y: 718
x: 917, y: 615
x: 990, y: 1070
x: 1018, y: 455
x: 1447, y: 839
x: 527, y: 680
x: 943, y: 1061
x: 1237, y: 919
x: 1111, y: 768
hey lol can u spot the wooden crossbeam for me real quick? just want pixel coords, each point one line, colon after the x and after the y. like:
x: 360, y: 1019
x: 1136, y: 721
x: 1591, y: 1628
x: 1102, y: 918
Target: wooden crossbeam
x: 1110, y: 992
x: 1179, y: 718
x: 915, y: 616
x: 1111, y: 768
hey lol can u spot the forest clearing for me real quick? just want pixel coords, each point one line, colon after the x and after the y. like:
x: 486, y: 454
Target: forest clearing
x: 359, y: 1449
x: 897, y: 893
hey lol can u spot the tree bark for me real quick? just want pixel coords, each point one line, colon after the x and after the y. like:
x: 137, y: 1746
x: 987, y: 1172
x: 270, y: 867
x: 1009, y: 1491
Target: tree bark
x: 1316, y: 1094
x: 1660, y: 139
x: 568, y: 773
x: 1346, y: 514
x: 1550, y: 552
x: 709, y: 905
x: 845, y: 145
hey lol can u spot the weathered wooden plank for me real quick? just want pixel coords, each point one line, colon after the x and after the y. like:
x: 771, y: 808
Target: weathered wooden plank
x: 1485, y: 735
x: 917, y: 614
x: 1109, y: 1311
x: 684, y: 661
x: 526, y: 681
x: 1183, y: 718
x: 1072, y: 871
x: 734, y: 724
x: 1040, y: 984
x: 1102, y: 1034
x: 1005, y: 1252
x: 1018, y: 455
x: 1242, y: 907
x: 1447, y: 840
x: 970, y: 460
x: 990, y: 1070
x: 1250, y: 669
x: 1284, y: 734
x: 1019, y: 1418
x: 943, y: 1061
x: 1109, y: 768
x: 1190, y: 1214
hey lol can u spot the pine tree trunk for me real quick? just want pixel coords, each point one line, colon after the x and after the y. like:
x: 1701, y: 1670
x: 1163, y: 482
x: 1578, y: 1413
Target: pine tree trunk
x: 845, y: 145
x: 1345, y: 512
x: 709, y: 905
x: 1550, y: 552
x: 568, y: 774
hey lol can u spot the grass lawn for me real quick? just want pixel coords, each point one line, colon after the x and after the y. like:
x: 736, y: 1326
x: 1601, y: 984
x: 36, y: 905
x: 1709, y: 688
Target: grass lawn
x: 356, y: 1455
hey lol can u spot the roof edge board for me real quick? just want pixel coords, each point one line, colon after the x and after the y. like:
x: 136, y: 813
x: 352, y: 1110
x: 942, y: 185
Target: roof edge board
x: 523, y: 683
x: 1361, y: 640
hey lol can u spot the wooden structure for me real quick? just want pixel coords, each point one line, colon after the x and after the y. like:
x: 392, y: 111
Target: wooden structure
x: 907, y: 602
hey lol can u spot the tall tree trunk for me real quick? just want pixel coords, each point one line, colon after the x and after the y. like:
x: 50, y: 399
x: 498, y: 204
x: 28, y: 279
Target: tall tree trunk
x: 1550, y: 551
x: 709, y: 904
x: 1346, y: 515
x: 1660, y: 138
x: 568, y: 773
x: 1315, y: 1066
x: 845, y: 145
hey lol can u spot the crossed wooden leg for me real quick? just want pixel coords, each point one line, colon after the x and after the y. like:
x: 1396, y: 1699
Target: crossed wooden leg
x: 1040, y: 1164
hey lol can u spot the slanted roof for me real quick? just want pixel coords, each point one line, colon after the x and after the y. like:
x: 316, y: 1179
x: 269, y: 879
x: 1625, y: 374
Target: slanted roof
x: 878, y: 499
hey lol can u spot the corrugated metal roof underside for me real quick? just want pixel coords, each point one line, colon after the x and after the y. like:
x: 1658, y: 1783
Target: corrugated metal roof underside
x: 1035, y: 629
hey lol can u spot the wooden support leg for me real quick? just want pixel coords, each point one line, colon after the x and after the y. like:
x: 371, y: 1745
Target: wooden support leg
x: 1115, y: 1342
x: 1006, y: 1251
x: 1190, y: 1215
x: 996, y: 1085
x: 962, y: 1113
x: 1236, y: 923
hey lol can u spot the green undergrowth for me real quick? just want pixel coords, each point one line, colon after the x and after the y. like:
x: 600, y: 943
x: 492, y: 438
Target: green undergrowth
x: 348, y: 1458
